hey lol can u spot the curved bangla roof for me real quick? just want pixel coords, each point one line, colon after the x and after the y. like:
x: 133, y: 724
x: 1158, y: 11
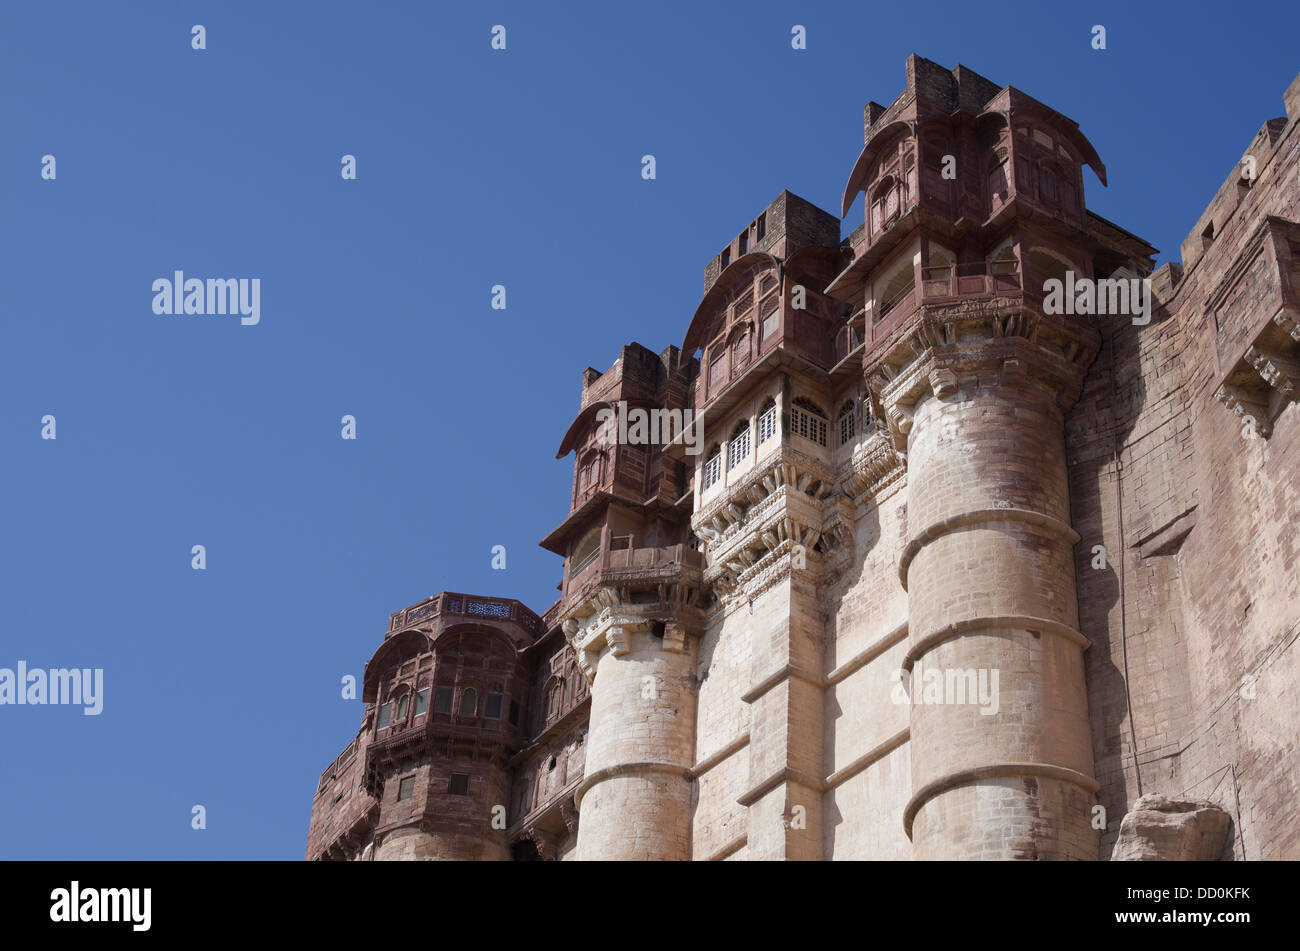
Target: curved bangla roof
x: 1020, y: 106
x: 585, y: 418
x: 717, y: 294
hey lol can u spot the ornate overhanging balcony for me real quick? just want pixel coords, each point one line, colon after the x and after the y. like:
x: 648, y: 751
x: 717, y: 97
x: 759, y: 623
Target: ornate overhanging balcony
x: 620, y: 565
x: 975, y: 281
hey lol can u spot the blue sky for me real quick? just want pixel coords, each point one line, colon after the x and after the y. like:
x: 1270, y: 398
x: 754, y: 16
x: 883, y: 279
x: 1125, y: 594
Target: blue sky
x: 475, y: 168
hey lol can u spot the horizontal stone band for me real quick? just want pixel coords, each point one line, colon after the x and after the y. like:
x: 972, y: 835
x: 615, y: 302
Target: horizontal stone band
x: 992, y: 771
x: 627, y: 769
x: 1050, y: 523
x: 1019, y: 622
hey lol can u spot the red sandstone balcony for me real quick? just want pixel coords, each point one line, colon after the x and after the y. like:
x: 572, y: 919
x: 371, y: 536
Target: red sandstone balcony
x: 620, y: 562
x: 948, y: 283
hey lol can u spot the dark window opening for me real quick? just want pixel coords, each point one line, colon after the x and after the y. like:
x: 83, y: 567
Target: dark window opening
x: 459, y: 785
x: 442, y: 700
x: 493, y: 711
x: 744, y: 241
x: 762, y: 226
x: 656, y: 628
x: 726, y: 258
x: 514, y: 713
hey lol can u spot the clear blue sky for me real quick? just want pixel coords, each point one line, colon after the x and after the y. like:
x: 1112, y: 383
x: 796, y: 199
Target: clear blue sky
x: 222, y: 686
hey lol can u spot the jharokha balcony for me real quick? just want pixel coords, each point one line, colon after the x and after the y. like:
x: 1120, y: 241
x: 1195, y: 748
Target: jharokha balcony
x: 942, y: 284
x: 617, y: 562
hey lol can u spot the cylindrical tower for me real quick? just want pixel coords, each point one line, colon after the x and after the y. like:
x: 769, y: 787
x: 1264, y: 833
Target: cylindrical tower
x: 1001, y: 748
x: 635, y: 800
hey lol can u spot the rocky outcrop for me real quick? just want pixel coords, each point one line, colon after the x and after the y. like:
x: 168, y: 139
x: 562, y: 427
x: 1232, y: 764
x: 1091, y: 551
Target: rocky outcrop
x: 1171, y: 830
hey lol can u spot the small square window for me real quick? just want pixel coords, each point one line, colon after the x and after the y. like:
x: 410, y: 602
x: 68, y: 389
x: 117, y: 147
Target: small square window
x: 514, y: 713
x: 405, y: 788
x: 442, y: 700
x: 422, y: 702
x: 459, y: 785
x: 385, y: 712
x: 493, y: 706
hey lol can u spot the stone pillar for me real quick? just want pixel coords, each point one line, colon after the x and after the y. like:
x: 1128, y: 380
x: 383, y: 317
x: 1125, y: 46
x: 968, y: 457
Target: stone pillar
x: 635, y: 799
x: 786, y: 697
x: 989, y: 570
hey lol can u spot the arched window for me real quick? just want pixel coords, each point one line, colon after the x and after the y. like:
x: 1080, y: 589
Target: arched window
x: 717, y: 366
x: 403, y: 702
x: 1004, y: 261
x: 767, y: 421
x: 1047, y: 178
x: 554, y: 701
x: 884, y: 204
x: 808, y: 420
x: 585, y: 553
x: 469, y: 702
x: 740, y: 350
x: 941, y: 263
x: 896, y: 288
x: 999, y: 185
x: 712, y: 467
x: 738, y: 447
x: 846, y: 422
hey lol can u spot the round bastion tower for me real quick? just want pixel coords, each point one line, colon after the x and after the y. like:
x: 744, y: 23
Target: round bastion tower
x: 444, y: 694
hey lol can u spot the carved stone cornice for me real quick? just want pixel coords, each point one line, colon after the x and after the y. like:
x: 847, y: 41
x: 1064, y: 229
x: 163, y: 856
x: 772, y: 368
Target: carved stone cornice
x: 1007, y: 337
x: 875, y: 465
x: 610, y: 626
